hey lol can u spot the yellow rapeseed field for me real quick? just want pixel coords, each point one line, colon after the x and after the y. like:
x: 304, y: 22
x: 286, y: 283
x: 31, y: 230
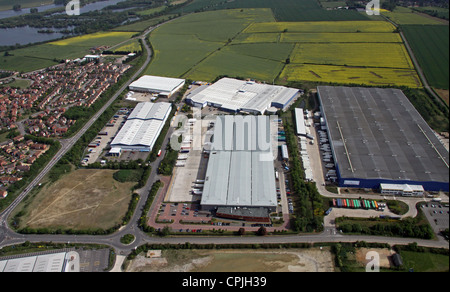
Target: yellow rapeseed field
x: 321, y: 26
x: 385, y: 55
x: 99, y: 38
x: 351, y: 75
x: 351, y: 37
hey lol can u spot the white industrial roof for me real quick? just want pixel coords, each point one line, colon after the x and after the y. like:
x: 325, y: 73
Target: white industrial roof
x: 149, y: 110
x: 300, y: 121
x: 143, y: 126
x: 40, y: 263
x: 157, y: 83
x: 402, y: 187
x: 236, y: 95
x: 240, y: 169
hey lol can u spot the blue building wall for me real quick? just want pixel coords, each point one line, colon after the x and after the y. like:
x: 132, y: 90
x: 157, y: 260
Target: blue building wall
x: 375, y: 183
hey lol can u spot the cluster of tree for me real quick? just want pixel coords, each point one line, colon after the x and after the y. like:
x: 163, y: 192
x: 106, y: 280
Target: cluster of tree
x: 409, y: 227
x: 158, y: 144
x: 309, y: 204
x: 151, y: 196
x: 432, y: 111
x: 168, y: 163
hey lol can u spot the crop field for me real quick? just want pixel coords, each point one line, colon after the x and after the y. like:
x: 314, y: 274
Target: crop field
x: 404, y: 15
x: 83, y: 199
x: 385, y: 55
x: 95, y: 39
x: 430, y: 44
x: 49, y: 54
x: 348, y: 52
x: 131, y: 46
x: 260, y: 61
x: 351, y: 75
x: 283, y: 10
x: 185, y: 42
x: 321, y: 26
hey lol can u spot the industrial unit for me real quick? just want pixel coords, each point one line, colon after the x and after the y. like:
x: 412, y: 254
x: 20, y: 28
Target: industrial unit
x: 163, y: 86
x: 377, y: 136
x: 53, y: 262
x: 240, y: 171
x: 142, y: 128
x: 234, y: 95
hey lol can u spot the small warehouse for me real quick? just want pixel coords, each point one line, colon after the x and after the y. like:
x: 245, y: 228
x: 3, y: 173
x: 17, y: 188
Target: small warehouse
x: 142, y: 128
x: 163, y: 86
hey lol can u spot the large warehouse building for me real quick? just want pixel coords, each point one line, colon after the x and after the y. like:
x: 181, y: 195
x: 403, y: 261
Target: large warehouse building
x: 142, y: 128
x: 163, y: 86
x: 240, y: 173
x: 234, y: 95
x: 378, y: 137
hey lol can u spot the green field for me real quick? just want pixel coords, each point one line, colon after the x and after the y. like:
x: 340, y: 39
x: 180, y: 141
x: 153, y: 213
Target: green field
x: 283, y: 10
x: 404, y: 15
x: 185, y: 42
x: 262, y: 62
x: 349, y: 52
x: 49, y: 54
x: 425, y: 262
x: 430, y: 44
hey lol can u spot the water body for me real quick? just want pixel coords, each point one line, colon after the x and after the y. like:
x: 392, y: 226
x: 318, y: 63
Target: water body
x: 87, y: 8
x: 27, y: 35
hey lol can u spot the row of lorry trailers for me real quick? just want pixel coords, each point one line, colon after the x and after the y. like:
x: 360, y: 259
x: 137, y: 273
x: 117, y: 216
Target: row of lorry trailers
x: 357, y: 204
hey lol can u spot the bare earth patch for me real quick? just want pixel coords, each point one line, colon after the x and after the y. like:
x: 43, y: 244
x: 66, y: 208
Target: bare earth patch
x: 283, y: 260
x: 79, y: 200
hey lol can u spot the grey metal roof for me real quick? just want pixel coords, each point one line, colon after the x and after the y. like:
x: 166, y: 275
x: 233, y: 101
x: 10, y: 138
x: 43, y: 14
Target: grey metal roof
x: 240, y: 169
x: 236, y: 95
x: 377, y: 134
x: 143, y: 125
x: 300, y: 121
x: 150, y: 110
x: 156, y: 83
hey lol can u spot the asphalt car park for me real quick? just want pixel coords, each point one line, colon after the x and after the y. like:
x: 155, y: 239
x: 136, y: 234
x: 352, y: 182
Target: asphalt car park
x: 437, y: 214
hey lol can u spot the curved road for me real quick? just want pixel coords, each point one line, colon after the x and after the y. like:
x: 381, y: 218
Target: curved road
x: 9, y: 237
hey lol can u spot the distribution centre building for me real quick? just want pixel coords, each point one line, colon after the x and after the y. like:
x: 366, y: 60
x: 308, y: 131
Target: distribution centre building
x: 155, y: 84
x: 142, y: 127
x: 378, y: 137
x: 240, y: 172
x: 234, y: 95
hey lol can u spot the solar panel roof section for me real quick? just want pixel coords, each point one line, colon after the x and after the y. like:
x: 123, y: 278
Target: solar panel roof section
x: 384, y: 135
